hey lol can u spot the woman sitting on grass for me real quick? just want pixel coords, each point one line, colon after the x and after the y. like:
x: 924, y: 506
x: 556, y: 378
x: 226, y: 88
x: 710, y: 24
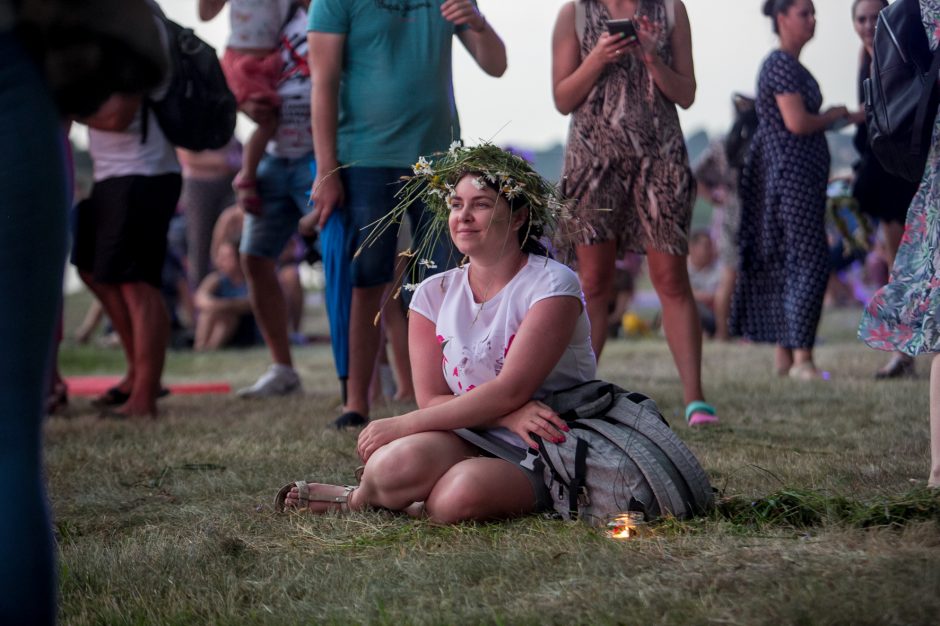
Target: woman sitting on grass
x: 487, y: 340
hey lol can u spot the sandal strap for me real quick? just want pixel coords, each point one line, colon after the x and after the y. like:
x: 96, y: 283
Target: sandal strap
x: 698, y: 406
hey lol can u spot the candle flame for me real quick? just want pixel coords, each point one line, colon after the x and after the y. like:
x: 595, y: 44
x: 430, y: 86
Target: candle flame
x: 623, y: 526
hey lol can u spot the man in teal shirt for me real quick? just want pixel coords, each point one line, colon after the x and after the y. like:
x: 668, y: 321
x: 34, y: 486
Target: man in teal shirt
x: 382, y: 96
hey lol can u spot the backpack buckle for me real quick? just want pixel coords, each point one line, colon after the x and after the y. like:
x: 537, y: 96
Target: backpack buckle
x: 531, y: 456
x: 583, y: 499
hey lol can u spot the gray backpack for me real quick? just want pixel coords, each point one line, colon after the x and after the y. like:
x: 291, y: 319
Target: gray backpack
x: 619, y: 456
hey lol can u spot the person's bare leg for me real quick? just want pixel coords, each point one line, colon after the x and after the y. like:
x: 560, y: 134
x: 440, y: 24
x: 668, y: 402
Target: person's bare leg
x: 681, y: 324
x: 893, y: 232
x: 289, y: 278
x: 90, y: 322
x: 363, y: 345
x: 114, y: 305
x: 934, y: 479
x: 480, y: 489
x: 221, y: 330
x: 399, y: 474
x: 783, y: 360
x: 268, y: 305
x: 151, y: 328
x: 596, y: 271
x: 396, y: 331
x: 723, y: 297
x: 205, y: 320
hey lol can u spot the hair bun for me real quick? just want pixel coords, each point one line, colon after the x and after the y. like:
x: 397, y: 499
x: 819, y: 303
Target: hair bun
x: 769, y: 7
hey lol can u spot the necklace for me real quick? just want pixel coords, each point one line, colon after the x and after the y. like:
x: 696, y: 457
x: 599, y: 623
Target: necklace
x: 482, y: 297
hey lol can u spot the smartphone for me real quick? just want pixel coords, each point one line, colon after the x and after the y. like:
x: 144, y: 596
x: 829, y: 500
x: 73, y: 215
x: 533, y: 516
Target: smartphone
x: 624, y: 27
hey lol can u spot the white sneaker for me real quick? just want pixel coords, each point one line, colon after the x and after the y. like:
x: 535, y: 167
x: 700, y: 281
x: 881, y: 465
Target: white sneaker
x: 279, y: 380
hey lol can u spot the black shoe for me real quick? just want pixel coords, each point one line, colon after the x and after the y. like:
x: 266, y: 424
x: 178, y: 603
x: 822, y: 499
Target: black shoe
x: 350, y: 419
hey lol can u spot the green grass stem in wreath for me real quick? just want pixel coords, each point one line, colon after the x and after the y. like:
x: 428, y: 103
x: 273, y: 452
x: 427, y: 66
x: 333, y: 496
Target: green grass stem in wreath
x: 434, y: 182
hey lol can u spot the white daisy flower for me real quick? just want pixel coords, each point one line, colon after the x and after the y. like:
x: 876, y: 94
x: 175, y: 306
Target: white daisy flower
x: 431, y: 265
x: 422, y: 167
x: 478, y: 183
x: 454, y: 147
x: 409, y: 286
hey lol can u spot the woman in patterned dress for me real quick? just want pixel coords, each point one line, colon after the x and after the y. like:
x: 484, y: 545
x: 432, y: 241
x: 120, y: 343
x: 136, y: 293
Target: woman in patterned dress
x: 784, y: 256
x: 626, y: 164
x: 904, y: 314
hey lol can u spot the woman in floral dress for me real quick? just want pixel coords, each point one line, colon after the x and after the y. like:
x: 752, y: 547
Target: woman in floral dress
x: 905, y: 314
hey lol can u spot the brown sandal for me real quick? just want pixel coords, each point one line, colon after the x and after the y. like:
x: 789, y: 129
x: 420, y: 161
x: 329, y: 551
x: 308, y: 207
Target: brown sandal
x: 306, y: 496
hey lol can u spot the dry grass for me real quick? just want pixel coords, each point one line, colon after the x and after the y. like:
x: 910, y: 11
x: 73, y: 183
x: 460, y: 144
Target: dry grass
x: 169, y: 521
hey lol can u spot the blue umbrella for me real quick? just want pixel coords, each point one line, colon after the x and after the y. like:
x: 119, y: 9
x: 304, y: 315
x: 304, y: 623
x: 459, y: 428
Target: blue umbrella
x: 336, y: 262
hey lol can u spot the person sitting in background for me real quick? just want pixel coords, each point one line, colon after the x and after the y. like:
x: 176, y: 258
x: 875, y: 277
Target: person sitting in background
x: 704, y: 275
x: 222, y: 303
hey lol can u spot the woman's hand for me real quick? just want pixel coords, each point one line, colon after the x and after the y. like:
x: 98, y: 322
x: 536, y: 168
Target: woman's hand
x: 377, y: 433
x: 609, y: 49
x: 834, y: 114
x: 648, y: 33
x: 535, y: 418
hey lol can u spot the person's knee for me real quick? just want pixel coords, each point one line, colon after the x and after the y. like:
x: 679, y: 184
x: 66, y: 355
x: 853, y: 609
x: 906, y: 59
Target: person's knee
x: 460, y: 499
x: 395, y: 465
x: 597, y: 283
x: 671, y: 282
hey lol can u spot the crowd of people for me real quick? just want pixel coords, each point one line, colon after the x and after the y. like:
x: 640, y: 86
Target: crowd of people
x: 345, y: 118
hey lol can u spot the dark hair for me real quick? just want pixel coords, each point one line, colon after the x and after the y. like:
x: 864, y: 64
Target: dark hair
x: 855, y: 4
x: 773, y: 8
x: 530, y: 234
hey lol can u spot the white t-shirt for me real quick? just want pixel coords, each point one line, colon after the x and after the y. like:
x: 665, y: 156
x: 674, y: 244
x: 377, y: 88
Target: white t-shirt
x: 475, y: 340
x: 121, y: 153
x: 256, y: 23
x: 293, y: 138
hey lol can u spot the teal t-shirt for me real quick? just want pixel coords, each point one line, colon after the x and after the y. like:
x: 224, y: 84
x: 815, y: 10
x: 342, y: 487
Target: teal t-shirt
x: 396, y: 96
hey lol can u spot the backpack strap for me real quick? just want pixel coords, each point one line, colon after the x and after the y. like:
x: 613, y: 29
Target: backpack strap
x: 933, y: 74
x: 577, y: 492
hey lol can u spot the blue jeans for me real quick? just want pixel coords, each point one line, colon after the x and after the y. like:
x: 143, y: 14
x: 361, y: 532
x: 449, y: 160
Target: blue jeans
x: 370, y: 194
x: 33, y: 208
x: 284, y: 187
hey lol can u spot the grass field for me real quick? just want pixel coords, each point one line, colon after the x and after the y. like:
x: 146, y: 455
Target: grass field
x: 170, y: 521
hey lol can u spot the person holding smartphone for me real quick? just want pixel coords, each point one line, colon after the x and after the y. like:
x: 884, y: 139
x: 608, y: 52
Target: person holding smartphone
x: 626, y: 164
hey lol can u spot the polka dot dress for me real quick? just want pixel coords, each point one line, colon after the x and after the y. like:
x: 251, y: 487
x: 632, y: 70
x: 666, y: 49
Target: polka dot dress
x: 784, y: 263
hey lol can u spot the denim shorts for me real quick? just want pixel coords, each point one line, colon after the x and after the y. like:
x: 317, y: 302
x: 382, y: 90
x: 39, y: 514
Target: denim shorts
x: 284, y: 187
x: 370, y: 194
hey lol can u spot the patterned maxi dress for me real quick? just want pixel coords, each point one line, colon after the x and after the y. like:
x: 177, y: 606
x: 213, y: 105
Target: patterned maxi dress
x: 784, y: 259
x: 625, y: 163
x: 905, y: 314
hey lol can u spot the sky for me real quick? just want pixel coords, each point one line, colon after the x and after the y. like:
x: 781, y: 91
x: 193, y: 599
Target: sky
x: 730, y: 38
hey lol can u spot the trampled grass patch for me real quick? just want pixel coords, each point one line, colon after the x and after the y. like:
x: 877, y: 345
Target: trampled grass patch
x: 819, y: 522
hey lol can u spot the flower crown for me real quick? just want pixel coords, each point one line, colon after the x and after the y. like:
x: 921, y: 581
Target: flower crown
x: 434, y: 183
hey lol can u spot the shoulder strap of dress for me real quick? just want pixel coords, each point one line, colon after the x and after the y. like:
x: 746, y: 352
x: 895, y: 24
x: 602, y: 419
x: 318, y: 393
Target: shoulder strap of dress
x: 580, y: 18
x: 670, y: 6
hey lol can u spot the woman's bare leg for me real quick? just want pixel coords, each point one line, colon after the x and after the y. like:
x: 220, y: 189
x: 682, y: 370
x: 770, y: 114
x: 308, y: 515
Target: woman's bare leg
x: 480, y: 489
x: 596, y: 271
x: 670, y: 276
x: 934, y: 479
x: 400, y: 473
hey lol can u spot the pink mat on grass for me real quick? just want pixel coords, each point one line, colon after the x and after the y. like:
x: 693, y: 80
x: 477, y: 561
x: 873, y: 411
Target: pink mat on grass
x: 97, y: 385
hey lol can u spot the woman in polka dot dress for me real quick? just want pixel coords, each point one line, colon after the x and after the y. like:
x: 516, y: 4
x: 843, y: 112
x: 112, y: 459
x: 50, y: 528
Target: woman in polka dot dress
x: 905, y: 314
x: 784, y: 258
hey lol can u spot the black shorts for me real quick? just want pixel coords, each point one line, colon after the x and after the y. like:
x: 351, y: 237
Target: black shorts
x: 120, y: 230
